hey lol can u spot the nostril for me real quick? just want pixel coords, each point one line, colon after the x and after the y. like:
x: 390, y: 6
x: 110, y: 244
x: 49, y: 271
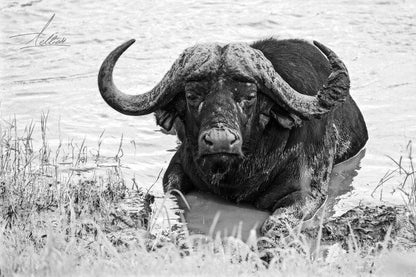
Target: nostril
x: 234, y: 139
x: 207, y: 142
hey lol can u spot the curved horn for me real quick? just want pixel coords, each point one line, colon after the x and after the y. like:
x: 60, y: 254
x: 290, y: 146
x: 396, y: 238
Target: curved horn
x: 333, y: 92
x: 247, y: 59
x: 171, y: 84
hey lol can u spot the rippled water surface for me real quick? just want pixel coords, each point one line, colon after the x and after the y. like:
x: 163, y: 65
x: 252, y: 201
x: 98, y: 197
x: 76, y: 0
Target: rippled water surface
x: 376, y: 40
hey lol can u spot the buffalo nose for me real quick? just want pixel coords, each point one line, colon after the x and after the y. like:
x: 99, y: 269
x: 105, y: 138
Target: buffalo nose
x: 220, y: 140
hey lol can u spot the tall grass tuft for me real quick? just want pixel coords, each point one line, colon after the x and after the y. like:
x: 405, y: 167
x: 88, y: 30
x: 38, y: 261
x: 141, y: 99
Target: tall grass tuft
x: 63, y: 214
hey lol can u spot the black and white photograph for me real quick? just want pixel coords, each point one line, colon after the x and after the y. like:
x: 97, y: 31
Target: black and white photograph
x: 208, y: 138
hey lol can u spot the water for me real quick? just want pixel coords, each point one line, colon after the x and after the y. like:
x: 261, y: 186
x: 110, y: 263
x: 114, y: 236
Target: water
x: 376, y: 40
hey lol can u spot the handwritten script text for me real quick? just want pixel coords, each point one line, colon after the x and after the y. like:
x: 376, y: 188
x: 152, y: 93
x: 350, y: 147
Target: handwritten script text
x: 42, y: 39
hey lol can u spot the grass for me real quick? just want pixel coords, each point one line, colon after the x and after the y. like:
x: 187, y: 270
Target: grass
x: 67, y: 211
x: 405, y: 172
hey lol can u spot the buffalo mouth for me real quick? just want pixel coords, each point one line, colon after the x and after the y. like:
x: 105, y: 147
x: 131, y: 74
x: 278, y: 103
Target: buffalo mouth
x: 217, y: 166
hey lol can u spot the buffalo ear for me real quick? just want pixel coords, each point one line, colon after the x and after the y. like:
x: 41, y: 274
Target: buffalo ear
x: 165, y: 119
x: 265, y: 107
x: 269, y: 109
x: 286, y: 120
x: 263, y: 120
x: 174, y: 110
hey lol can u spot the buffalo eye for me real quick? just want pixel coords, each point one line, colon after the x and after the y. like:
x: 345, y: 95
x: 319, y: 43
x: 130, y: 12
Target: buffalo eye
x: 246, y: 93
x: 195, y: 92
x: 192, y: 99
x: 252, y: 96
x: 248, y: 99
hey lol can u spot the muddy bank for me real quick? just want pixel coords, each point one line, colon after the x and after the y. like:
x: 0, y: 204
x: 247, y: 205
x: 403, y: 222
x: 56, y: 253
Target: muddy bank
x: 366, y: 226
x: 362, y: 226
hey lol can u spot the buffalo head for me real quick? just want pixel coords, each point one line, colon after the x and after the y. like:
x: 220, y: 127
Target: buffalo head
x: 221, y: 96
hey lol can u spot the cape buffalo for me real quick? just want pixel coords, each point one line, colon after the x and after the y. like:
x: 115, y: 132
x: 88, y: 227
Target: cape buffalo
x: 261, y: 123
